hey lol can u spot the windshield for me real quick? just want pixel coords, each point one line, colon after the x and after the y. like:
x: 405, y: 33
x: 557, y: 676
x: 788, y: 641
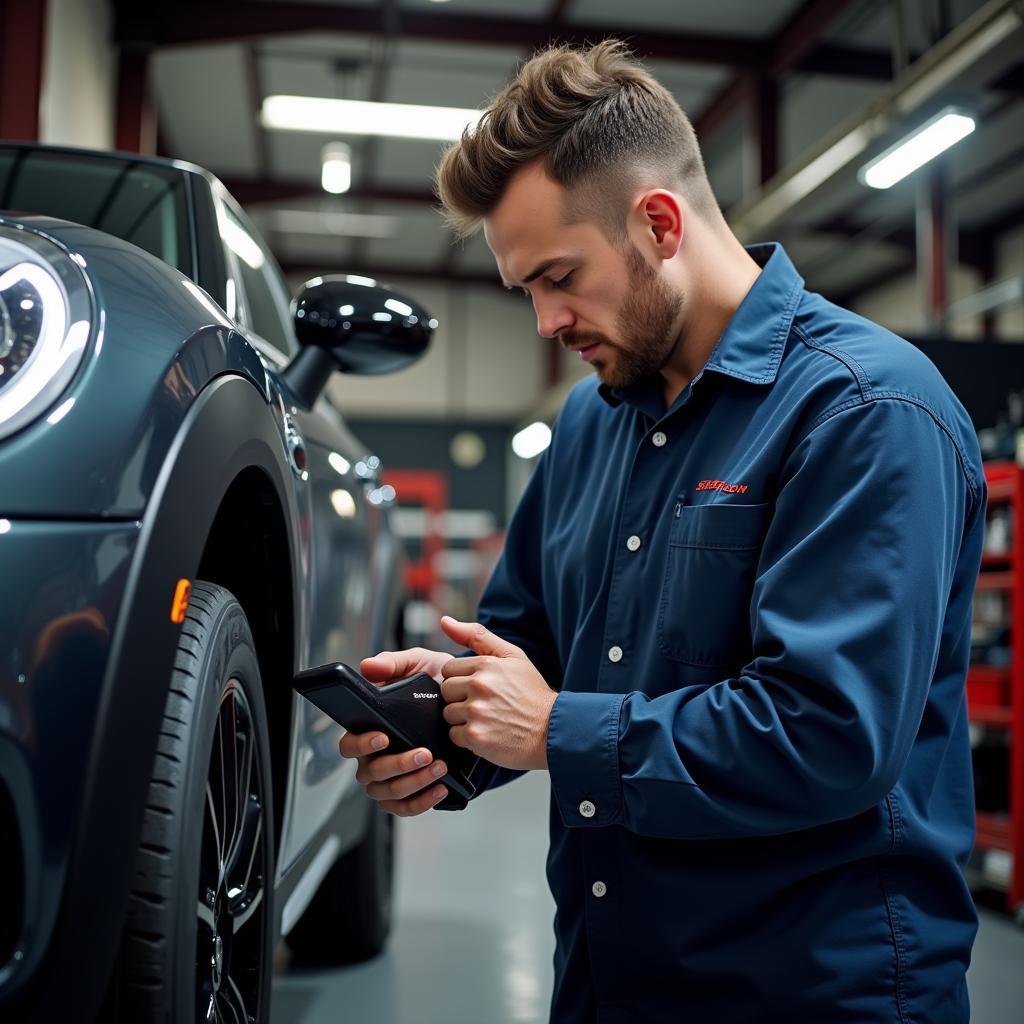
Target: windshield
x: 140, y: 202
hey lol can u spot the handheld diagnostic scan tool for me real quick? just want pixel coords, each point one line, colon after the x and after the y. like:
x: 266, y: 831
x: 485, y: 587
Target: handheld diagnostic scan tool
x: 409, y: 711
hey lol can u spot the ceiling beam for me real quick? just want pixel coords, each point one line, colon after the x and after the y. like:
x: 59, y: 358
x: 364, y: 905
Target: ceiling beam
x: 800, y: 35
x: 848, y: 62
x: 790, y: 45
x: 191, y: 21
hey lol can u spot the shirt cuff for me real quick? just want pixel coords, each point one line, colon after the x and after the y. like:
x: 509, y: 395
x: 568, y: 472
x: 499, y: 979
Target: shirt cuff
x: 583, y: 758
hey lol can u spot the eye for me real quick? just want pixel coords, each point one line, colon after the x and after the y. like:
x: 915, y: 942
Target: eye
x: 563, y: 282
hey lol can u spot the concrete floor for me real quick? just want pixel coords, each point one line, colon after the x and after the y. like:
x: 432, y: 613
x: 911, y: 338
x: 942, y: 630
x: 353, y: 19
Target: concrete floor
x: 472, y: 940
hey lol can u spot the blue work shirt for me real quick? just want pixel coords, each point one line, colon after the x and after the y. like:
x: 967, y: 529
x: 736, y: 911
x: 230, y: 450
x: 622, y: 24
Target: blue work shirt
x: 756, y: 606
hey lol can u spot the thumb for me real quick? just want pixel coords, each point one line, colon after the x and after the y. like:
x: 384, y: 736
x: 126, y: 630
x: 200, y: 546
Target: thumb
x: 388, y: 665
x: 479, y: 638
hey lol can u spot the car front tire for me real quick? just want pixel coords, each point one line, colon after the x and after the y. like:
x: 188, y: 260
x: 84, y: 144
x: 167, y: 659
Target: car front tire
x: 197, y: 942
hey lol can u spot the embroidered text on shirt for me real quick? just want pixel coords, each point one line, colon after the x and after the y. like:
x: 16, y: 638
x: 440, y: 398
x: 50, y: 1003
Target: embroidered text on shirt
x: 721, y: 485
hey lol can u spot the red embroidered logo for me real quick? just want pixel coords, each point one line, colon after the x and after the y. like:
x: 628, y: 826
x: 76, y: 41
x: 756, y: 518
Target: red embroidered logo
x: 721, y: 485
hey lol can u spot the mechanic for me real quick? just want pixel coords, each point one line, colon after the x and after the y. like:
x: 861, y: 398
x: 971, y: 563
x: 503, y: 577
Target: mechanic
x: 732, y: 614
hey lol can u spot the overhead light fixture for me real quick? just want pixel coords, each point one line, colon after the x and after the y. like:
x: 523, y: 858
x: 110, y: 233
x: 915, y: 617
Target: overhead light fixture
x: 531, y: 440
x: 351, y: 225
x: 935, y: 136
x: 357, y: 117
x: 336, y: 168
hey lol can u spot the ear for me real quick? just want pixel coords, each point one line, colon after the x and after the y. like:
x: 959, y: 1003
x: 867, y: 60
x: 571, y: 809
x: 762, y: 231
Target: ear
x: 662, y: 221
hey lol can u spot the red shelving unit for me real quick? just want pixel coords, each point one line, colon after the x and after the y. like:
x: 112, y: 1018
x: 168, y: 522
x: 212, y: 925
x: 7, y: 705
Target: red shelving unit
x: 995, y: 694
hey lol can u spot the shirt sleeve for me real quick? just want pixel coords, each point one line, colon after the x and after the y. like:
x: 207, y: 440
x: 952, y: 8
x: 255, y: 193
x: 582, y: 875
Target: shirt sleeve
x: 512, y: 603
x: 847, y: 614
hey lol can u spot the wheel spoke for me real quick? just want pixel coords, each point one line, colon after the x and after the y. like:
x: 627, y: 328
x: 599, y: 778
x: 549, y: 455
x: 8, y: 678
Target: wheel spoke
x: 204, y: 912
x: 216, y: 839
x: 244, y: 813
x: 257, y: 837
x: 239, y: 872
x: 227, y: 817
x: 240, y: 919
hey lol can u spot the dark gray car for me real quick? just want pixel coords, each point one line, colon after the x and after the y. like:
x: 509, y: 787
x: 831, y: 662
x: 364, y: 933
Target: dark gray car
x: 185, y: 522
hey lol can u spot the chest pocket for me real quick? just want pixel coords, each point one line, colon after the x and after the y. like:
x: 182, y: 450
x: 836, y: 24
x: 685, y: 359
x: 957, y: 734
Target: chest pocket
x: 704, y: 614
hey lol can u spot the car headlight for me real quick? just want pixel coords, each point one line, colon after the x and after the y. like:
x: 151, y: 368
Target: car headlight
x: 45, y: 323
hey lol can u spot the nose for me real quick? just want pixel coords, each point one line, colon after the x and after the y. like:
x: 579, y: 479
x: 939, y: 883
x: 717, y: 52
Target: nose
x: 553, y: 316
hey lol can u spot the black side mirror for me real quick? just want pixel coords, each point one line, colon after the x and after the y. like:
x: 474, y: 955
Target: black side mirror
x: 355, y: 325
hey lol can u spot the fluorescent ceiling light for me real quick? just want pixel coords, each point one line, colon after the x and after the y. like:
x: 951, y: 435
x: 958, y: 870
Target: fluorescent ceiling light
x: 356, y: 117
x: 531, y: 440
x: 937, y: 134
x: 350, y: 225
x: 336, y: 168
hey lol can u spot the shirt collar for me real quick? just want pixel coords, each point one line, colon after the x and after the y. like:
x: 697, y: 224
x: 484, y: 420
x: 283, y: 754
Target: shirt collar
x: 751, y: 345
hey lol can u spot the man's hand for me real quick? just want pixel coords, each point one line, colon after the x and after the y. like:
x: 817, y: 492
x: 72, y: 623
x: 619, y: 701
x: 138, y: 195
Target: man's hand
x: 498, y: 704
x: 403, y: 784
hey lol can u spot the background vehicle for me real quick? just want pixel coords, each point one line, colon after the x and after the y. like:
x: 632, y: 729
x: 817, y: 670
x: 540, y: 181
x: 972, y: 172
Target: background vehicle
x: 168, y: 806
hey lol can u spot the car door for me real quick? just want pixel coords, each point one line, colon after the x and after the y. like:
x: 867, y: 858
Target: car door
x: 341, y: 527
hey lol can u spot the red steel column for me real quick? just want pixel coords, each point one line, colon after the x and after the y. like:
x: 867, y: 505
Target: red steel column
x: 22, y: 47
x: 135, y: 130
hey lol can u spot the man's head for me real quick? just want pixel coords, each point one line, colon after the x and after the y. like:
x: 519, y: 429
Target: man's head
x: 582, y: 172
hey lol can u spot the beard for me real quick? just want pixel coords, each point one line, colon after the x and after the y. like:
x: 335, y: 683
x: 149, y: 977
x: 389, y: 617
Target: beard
x: 647, y: 331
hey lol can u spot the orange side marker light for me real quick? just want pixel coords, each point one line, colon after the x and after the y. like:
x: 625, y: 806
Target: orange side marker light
x: 180, y: 604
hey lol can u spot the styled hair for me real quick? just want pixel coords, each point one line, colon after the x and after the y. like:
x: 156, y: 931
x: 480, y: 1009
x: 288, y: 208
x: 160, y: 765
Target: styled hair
x: 603, y: 126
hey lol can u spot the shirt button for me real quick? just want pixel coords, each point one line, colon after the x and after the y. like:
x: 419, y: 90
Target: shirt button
x: 615, y: 654
x: 659, y: 440
x: 599, y: 889
x: 587, y: 809
x: 633, y: 543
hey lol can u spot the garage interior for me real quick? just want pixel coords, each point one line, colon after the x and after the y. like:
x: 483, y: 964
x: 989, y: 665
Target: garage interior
x: 788, y: 99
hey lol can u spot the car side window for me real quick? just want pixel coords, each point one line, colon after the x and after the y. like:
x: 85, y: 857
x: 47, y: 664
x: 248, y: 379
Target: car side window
x: 265, y: 293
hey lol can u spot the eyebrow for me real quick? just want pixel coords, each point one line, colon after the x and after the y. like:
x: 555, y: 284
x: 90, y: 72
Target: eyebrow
x: 542, y: 268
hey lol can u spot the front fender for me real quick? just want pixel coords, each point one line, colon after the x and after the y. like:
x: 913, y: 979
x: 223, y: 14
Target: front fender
x: 228, y: 428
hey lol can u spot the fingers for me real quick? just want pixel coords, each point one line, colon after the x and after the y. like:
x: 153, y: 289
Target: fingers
x: 402, y: 786
x: 384, y: 767
x: 455, y: 714
x: 454, y: 690
x: 391, y: 664
x: 417, y: 804
x: 480, y: 638
x: 403, y: 783
x: 361, y: 744
x: 462, y: 736
x: 462, y: 667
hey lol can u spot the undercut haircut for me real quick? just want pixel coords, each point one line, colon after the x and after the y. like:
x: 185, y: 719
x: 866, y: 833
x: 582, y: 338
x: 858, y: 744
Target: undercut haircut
x: 604, y: 127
